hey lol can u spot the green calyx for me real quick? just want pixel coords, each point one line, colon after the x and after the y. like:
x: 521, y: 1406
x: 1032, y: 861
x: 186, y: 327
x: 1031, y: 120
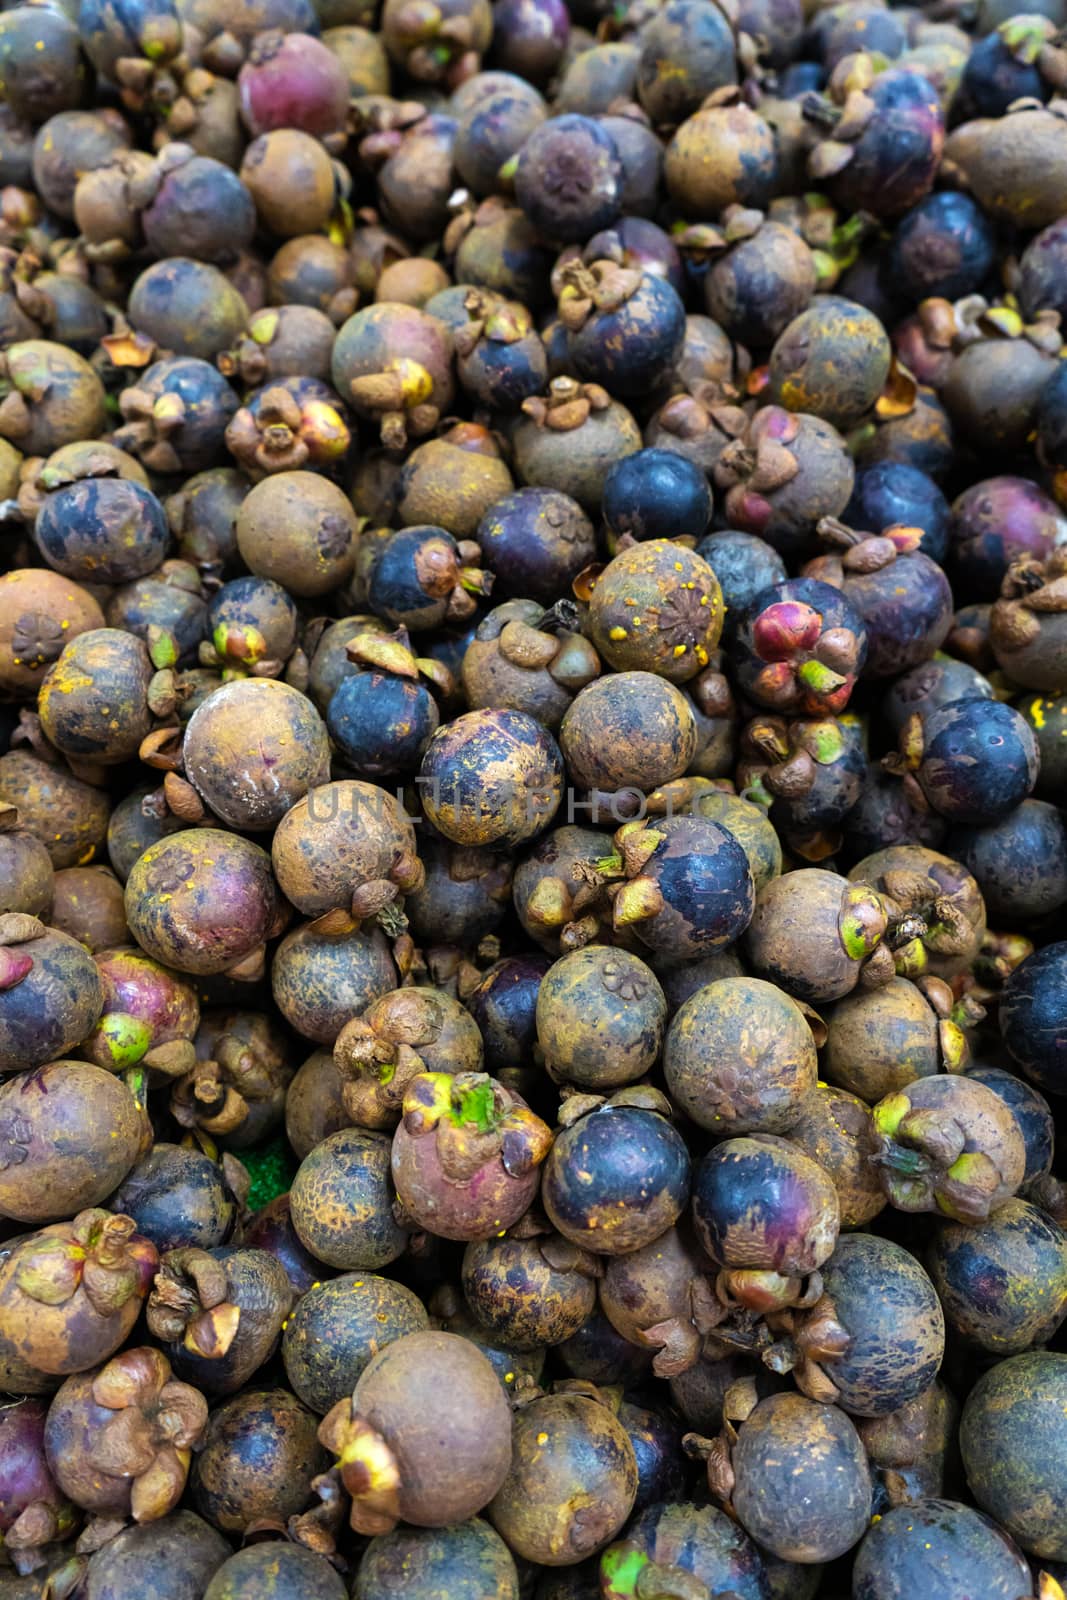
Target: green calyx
x: 474, y: 1107
x: 621, y: 1567
x: 125, y: 1039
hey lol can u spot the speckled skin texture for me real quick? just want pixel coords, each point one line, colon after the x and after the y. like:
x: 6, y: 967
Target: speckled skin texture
x: 188, y: 307
x: 70, y: 1132
x: 172, y: 1559
x: 572, y: 1482
x: 89, y: 904
x: 941, y: 1550
x: 299, y: 529
x: 93, y: 703
x: 259, y: 603
x: 341, y: 1202
x: 102, y: 530
x: 986, y: 1124
x: 722, y: 155
x: 836, y: 1130
x: 491, y: 777
x: 979, y: 760
x: 600, y: 1018
x: 314, y: 1107
x: 657, y: 607
x: 276, y: 1571
x: 803, y: 1485
x: 27, y: 882
x: 468, y: 1561
x: 886, y: 1302
x: 635, y: 347
x: 568, y: 853
x: 616, y: 1179
x: 254, y: 748
x: 576, y: 462
x: 536, y: 541
x: 1015, y: 1449
x: 338, y: 1327
x: 40, y: 612
x: 701, y: 1540
x: 464, y: 896
x: 259, y: 1456
x: 177, y: 1197
x: 761, y: 1205
x: 1003, y: 1284
x: 880, y: 1040
x: 747, y: 824
x: 528, y: 1301
x: 450, y: 487
x: 69, y: 817
x: 832, y: 360
x: 607, y: 735
x: 740, y: 1058
x: 685, y: 55
x: 71, y: 403
x: 1031, y: 1111
x: 1033, y: 1017
x: 201, y: 900
x: 756, y: 288
x: 321, y: 980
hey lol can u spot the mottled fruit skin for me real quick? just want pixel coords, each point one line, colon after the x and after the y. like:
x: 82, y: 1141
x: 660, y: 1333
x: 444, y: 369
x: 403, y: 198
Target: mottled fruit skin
x: 1015, y: 1450
x: 258, y: 1458
x: 252, y: 749
x: 504, y: 1006
x: 341, y: 1202
x: 887, y: 1304
x: 979, y: 759
x: 320, y: 980
x: 939, y: 1549
x: 70, y: 1133
x: 92, y: 704
x: 895, y: 159
x: 688, y: 1538
x: 188, y: 307
x: 634, y: 348
x: 201, y: 900
x: 600, y: 1018
x: 1020, y: 863
x: 40, y: 612
x: 616, y: 1179
x: 740, y: 1058
x: 1031, y: 1111
x: 1003, y: 1284
x: 1033, y: 1017
x: 880, y: 1040
x: 276, y: 1571
x: 536, y: 541
x: 467, y: 1561
x: 705, y: 886
x: 172, y: 1559
x: 569, y: 178
x: 336, y: 1328
x: 491, y: 777
x: 836, y: 1130
x: 760, y: 1205
x: 513, y: 1288
x: 628, y: 729
x: 995, y: 522
x: 794, y: 937
x: 572, y: 1482
x: 178, y: 1198
x: 53, y: 1008
x: 69, y: 817
x: 831, y: 360
x: 803, y: 1486
x: 102, y: 530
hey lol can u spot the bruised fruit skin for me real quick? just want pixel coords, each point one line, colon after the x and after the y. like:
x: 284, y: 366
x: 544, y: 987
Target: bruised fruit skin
x: 682, y: 1538
x: 69, y: 1134
x: 949, y: 1144
x: 425, y: 1437
x: 740, y: 1058
x: 616, y: 1177
x: 89, y: 904
x: 491, y: 777
x: 320, y: 980
x: 70, y: 1294
x: 628, y: 729
x: 600, y: 1018
x: 259, y: 1456
x: 337, y: 1327
x: 939, y: 1543
x: 68, y: 816
x: 119, y: 1439
x: 50, y: 993
x: 767, y: 1215
x: 654, y: 1297
x: 531, y: 1291
x: 813, y: 933
x: 178, y: 1197
x: 836, y: 1130
x: 29, y: 883
x: 93, y: 703
x: 201, y: 900
x: 221, y: 1313
x: 875, y: 1338
x: 802, y: 1486
x: 466, y: 1157
x: 572, y: 1482
x: 341, y: 1202
x: 254, y: 748
x: 1003, y: 1284
x: 407, y: 1032
x: 468, y: 1561
x: 657, y: 608
x: 1014, y: 1449
x: 831, y: 361
x: 880, y: 1040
